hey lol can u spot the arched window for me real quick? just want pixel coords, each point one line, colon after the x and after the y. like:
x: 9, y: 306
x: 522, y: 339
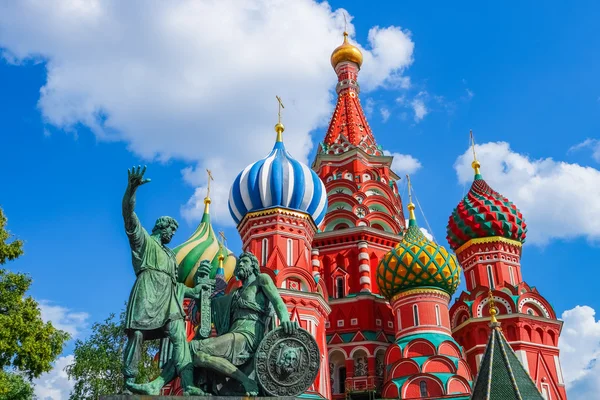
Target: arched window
x: 416, y: 314
x: 290, y: 252
x: 423, y: 388
x: 265, y: 252
x: 490, y: 276
x: 438, y: 320
x: 511, y: 274
x: 473, y: 278
x: 399, y: 322
x: 339, y: 287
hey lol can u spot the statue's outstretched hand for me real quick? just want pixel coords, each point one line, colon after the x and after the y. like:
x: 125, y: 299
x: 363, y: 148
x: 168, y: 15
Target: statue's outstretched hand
x: 135, y: 177
x: 289, y: 327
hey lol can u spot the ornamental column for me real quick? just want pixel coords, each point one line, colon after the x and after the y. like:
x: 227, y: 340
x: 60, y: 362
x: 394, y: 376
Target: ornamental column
x: 364, y: 267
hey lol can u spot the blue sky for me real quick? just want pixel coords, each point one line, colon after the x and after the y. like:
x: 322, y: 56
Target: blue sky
x: 86, y: 92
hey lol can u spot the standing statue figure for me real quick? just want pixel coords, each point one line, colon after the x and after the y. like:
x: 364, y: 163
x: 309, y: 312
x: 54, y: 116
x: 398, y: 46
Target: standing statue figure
x: 240, y: 319
x: 155, y: 307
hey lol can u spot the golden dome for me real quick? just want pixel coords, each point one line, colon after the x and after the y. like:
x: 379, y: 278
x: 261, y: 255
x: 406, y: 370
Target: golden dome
x: 346, y: 52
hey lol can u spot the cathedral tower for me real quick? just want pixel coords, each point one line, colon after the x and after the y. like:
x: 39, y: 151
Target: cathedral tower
x: 363, y: 221
x: 419, y: 277
x: 277, y: 203
x: 487, y: 233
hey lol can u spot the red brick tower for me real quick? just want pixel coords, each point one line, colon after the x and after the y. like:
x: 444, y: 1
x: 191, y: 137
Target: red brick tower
x: 363, y: 221
x: 487, y: 232
x: 419, y: 276
x: 277, y: 203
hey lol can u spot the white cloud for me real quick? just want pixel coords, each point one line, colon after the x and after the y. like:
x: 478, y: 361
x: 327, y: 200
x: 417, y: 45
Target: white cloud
x: 557, y: 199
x: 403, y: 163
x: 385, y: 114
x: 470, y: 93
x: 579, y: 352
x: 63, y: 318
x: 192, y: 80
x: 419, y: 108
x: 592, y: 144
x: 55, y: 385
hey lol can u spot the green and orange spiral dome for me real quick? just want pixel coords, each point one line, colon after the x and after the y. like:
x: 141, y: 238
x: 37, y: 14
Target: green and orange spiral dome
x: 417, y: 262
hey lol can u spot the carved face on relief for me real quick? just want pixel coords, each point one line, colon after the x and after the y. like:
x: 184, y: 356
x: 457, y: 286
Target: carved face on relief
x: 289, y: 360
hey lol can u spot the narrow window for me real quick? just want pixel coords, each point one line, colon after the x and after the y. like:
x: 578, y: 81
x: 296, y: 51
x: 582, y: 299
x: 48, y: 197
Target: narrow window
x: 342, y: 380
x: 416, y: 314
x: 438, y: 321
x: 511, y: 274
x: 473, y: 278
x: 490, y: 275
x: 399, y: 322
x: 339, y: 287
x: 290, y: 254
x: 423, y: 387
x: 265, y: 251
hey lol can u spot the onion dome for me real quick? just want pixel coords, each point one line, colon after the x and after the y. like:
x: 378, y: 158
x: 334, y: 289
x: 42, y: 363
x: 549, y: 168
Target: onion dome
x: 483, y: 212
x: 278, y: 180
x: 417, y: 262
x: 203, y: 245
x: 346, y: 52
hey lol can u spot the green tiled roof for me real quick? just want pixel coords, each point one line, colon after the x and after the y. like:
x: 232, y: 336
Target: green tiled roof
x: 501, y: 375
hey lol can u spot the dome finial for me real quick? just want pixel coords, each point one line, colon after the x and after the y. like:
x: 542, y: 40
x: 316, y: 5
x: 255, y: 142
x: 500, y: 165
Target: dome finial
x: 346, y: 52
x: 207, y: 200
x: 279, y: 128
x: 411, y: 207
x: 221, y: 247
x: 492, y: 307
x: 475, y: 164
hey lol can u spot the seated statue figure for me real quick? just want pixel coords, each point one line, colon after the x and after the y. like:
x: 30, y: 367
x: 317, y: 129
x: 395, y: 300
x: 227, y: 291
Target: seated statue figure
x: 240, y: 319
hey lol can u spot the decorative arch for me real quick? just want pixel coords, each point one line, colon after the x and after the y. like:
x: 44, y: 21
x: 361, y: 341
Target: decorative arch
x: 438, y: 364
x: 393, y: 354
x: 460, y: 315
x: 498, y: 300
x: 306, y: 279
x: 457, y: 385
x: 419, y: 348
x: 526, y: 303
x: 412, y: 387
x: 449, y: 348
x: 464, y: 370
x: 404, y: 368
x: 357, y: 348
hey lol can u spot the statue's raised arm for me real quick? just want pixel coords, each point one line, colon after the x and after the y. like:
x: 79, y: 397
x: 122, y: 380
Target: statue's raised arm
x: 133, y: 228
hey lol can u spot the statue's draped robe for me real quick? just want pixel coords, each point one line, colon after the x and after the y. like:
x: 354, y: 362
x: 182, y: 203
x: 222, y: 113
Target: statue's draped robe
x: 156, y: 297
x: 240, y: 325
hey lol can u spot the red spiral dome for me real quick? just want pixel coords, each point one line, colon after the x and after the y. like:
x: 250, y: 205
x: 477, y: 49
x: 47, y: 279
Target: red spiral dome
x: 483, y: 212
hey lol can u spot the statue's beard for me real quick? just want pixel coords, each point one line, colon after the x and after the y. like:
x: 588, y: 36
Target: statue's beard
x: 243, y: 273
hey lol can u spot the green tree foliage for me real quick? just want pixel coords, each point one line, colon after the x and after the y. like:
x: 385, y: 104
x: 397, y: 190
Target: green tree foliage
x: 8, y: 251
x: 97, y: 368
x: 15, y: 386
x: 28, y: 346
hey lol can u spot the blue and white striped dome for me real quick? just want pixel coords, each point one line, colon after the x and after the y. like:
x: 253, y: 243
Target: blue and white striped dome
x: 278, y: 181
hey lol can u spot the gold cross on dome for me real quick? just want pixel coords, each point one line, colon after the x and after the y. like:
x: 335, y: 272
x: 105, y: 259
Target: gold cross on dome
x: 473, y: 145
x: 210, y: 178
x: 223, y: 238
x: 280, y: 107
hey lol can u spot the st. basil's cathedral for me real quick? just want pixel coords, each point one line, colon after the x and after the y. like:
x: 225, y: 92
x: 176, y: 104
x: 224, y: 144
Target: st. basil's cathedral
x: 371, y: 288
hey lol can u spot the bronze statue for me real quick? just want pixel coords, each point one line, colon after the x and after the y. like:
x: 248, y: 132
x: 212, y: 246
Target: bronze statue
x: 240, y: 320
x: 155, y: 307
x: 244, y: 356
